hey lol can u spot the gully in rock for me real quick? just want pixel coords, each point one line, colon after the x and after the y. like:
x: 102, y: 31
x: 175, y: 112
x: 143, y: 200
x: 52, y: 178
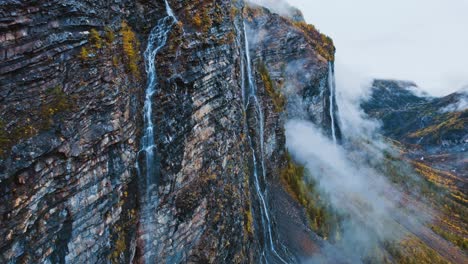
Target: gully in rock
x: 148, y: 180
x: 265, y: 215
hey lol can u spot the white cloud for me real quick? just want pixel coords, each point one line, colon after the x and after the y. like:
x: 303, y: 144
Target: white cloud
x: 281, y: 7
x: 420, y: 40
x: 459, y: 106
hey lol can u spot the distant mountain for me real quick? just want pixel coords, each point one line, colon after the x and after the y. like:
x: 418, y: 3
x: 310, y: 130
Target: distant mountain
x: 431, y: 135
x: 416, y: 119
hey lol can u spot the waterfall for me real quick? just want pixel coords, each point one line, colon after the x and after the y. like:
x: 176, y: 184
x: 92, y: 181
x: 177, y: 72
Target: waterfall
x: 156, y: 40
x: 242, y: 63
x: 252, y: 98
x: 332, y: 87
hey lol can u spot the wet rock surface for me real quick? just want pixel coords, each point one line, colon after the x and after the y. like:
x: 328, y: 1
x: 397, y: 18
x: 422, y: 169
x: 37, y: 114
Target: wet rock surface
x: 71, y: 120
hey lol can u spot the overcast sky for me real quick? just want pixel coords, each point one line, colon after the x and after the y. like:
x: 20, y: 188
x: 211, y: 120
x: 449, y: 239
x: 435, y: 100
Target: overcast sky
x: 421, y: 40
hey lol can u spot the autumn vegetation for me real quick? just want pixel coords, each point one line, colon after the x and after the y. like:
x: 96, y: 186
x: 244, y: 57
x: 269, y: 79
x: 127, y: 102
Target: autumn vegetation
x: 131, y: 47
x: 55, y: 103
x: 278, y: 99
x: 322, y: 219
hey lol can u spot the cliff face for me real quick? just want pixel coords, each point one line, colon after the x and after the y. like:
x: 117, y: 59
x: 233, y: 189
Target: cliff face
x: 291, y: 68
x: 69, y: 130
x: 73, y: 184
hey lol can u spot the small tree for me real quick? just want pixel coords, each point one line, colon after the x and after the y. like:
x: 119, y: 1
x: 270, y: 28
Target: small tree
x: 131, y: 46
x: 84, y: 54
x: 109, y: 35
x: 197, y: 20
x: 95, y: 39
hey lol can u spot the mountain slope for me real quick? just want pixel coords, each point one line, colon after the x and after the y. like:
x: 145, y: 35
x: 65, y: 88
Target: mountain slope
x: 431, y: 134
x: 418, y: 120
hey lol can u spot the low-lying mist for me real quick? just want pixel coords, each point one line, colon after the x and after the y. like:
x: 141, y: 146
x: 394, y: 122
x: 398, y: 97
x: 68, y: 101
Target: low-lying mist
x: 351, y: 178
x: 352, y: 187
x: 280, y: 7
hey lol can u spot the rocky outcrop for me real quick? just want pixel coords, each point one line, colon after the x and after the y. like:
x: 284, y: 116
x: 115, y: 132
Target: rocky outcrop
x: 72, y: 89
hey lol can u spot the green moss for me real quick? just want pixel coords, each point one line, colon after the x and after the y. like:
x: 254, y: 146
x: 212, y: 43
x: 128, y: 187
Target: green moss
x: 59, y: 103
x: 278, y: 99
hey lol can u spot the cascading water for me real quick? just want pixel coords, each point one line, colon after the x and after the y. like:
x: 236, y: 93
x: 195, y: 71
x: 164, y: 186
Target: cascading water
x: 332, y: 87
x: 149, y: 198
x: 252, y: 98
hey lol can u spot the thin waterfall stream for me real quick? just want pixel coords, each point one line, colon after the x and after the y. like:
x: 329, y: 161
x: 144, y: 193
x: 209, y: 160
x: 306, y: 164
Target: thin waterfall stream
x: 148, y: 180
x: 332, y: 87
x: 252, y: 98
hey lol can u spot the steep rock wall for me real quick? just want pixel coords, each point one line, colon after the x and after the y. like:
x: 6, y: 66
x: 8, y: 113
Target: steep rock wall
x: 291, y: 61
x: 69, y: 130
x: 71, y: 120
x: 203, y: 196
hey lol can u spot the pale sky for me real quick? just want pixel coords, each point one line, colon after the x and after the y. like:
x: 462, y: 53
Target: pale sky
x: 425, y: 41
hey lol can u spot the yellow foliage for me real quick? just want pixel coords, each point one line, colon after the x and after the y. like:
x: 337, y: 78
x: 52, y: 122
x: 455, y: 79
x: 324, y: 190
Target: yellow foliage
x: 453, y: 121
x: 279, y: 101
x: 411, y: 250
x: 461, y: 242
x: 95, y: 39
x: 115, y: 61
x: 249, y: 224
x: 197, y: 20
x: 84, y: 54
x: 206, y: 20
x: 321, y: 43
x: 131, y: 47
x: 438, y: 177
